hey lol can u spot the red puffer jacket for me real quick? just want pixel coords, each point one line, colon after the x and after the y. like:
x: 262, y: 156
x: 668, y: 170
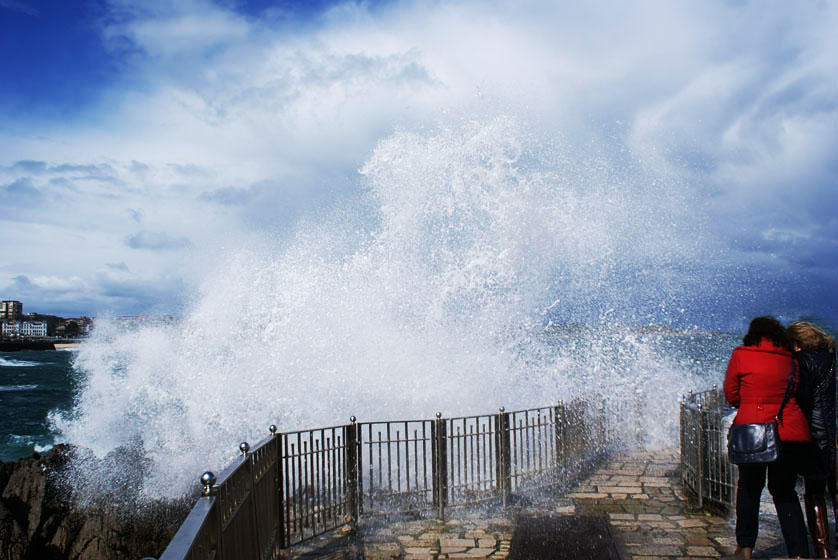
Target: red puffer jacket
x: 755, y: 382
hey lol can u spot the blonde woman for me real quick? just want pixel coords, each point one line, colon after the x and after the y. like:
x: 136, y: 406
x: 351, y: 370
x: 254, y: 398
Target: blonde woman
x: 815, y: 352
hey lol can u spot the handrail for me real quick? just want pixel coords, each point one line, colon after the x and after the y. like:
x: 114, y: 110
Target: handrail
x: 704, y: 418
x: 294, y: 486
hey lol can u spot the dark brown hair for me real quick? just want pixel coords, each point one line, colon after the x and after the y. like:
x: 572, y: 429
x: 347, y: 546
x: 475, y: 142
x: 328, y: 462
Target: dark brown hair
x: 809, y: 336
x: 768, y: 328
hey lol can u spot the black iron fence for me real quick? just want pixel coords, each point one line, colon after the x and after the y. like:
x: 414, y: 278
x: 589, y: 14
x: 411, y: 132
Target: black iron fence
x: 706, y: 469
x: 294, y: 486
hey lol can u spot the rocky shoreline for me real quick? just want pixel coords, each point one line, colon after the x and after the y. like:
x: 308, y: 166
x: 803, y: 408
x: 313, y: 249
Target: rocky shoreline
x: 40, y: 520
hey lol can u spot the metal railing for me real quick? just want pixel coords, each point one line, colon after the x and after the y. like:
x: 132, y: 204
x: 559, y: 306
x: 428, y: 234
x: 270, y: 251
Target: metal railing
x: 294, y: 486
x: 706, y: 469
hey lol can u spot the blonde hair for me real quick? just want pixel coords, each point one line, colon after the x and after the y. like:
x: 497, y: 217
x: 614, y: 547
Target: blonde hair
x: 809, y: 336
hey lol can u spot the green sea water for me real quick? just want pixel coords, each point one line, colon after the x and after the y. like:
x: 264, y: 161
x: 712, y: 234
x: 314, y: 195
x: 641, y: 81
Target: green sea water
x: 32, y: 384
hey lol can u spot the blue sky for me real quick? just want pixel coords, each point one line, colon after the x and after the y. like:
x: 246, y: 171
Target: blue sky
x: 141, y: 140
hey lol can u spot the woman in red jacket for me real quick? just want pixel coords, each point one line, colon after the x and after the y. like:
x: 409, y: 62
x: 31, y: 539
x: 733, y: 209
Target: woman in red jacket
x: 755, y: 383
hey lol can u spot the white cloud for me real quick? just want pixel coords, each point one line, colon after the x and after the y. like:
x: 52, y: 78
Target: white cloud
x: 231, y: 125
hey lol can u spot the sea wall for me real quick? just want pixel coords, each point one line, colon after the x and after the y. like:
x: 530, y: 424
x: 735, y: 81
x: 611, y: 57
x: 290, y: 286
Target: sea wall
x: 38, y: 519
x: 17, y: 345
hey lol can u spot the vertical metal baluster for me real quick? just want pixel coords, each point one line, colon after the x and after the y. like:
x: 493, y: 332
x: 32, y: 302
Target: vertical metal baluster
x: 301, y: 492
x: 527, y: 439
x: 288, y: 476
x: 479, y: 485
x: 295, y: 483
x: 307, y: 489
x: 320, y: 485
x: 330, y: 473
x: 487, y: 484
x: 398, y: 463
x: 536, y: 445
x: 407, y: 461
x: 325, y: 477
x: 471, y: 482
x: 425, y: 456
x: 369, y: 444
x: 341, y: 470
x: 312, y: 481
x: 457, y: 441
x: 380, y: 470
x: 336, y: 476
x: 359, y: 470
x: 337, y: 496
x: 416, y: 459
x: 543, y: 444
x: 389, y: 461
x: 517, y: 458
x: 492, y: 453
x: 407, y: 456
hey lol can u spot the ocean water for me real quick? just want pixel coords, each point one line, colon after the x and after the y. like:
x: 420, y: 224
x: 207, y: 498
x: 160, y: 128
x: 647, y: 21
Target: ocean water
x: 37, y: 385
x: 31, y: 385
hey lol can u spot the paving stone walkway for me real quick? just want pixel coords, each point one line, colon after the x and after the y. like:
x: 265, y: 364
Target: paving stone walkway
x: 644, y: 512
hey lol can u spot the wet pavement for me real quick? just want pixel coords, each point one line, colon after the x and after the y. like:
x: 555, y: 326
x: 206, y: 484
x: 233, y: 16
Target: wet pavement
x: 633, y: 507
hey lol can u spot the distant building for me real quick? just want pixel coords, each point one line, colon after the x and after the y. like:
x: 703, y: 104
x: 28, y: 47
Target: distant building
x: 11, y: 310
x: 9, y: 328
x: 50, y: 320
x: 23, y: 329
x: 33, y: 329
x: 71, y: 328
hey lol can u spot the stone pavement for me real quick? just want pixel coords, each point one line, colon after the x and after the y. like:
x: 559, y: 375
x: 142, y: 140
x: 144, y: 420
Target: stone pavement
x: 637, y: 499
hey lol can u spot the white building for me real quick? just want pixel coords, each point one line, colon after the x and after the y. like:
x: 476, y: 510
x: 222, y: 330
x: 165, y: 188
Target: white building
x: 9, y: 328
x: 33, y: 329
x: 26, y: 329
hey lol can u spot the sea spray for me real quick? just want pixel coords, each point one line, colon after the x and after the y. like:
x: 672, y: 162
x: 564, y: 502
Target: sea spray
x: 426, y: 294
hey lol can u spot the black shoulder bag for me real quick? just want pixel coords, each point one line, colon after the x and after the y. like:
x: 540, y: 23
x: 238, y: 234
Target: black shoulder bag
x: 758, y: 443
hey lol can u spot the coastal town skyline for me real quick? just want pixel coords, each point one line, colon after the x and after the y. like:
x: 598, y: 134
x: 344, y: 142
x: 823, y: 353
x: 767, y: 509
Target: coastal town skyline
x: 148, y: 145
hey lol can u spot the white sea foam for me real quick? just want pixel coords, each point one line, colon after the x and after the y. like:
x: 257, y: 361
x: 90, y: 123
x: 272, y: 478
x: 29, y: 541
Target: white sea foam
x: 17, y: 363
x: 43, y: 448
x: 427, y: 295
x: 11, y: 388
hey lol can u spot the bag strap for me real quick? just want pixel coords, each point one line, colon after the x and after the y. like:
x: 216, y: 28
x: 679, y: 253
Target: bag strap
x: 788, y: 393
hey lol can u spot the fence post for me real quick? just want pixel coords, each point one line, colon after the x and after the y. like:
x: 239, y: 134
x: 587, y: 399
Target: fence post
x: 439, y: 465
x: 351, y: 442
x: 558, y: 436
x: 280, y: 492
x: 503, y: 454
x: 244, y: 448
x: 700, y: 467
x: 210, y: 491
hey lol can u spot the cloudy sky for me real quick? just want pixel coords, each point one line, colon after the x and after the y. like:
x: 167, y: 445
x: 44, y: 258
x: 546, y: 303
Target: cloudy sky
x: 142, y: 141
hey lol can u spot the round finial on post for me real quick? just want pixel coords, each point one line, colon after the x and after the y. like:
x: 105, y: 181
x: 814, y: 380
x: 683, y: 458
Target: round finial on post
x: 272, y: 429
x: 438, y: 415
x: 244, y: 447
x: 502, y: 410
x: 207, y: 481
x: 352, y: 419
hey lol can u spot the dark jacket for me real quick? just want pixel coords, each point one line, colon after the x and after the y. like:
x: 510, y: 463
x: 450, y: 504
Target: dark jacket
x: 816, y: 397
x: 755, y: 383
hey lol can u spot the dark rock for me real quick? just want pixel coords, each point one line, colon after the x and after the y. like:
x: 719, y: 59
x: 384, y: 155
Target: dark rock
x: 12, y: 536
x: 41, y: 517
